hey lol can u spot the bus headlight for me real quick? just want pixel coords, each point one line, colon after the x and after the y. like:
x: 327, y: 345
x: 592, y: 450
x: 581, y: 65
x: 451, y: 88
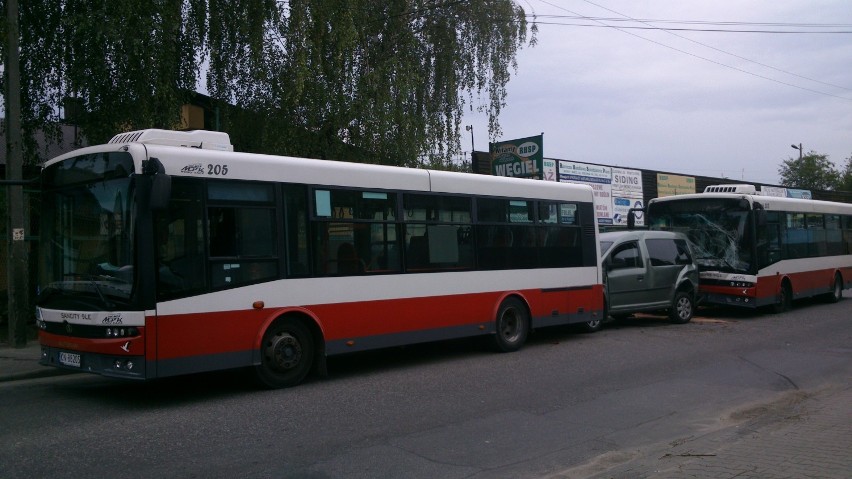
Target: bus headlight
x: 122, y: 332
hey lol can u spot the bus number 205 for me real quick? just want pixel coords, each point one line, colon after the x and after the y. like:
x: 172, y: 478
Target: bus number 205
x: 217, y: 170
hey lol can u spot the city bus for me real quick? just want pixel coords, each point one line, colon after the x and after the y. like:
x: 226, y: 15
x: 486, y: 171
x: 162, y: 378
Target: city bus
x: 757, y: 250
x: 165, y: 253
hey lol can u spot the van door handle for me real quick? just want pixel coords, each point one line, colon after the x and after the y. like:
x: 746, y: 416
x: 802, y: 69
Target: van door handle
x: 640, y: 277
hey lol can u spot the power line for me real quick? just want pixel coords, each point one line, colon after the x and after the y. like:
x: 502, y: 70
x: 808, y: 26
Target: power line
x: 623, y: 30
x: 731, y: 54
x: 684, y: 29
x: 625, y: 18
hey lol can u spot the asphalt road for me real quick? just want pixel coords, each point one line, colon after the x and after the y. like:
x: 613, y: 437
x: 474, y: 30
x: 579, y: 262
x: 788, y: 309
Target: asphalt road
x: 448, y: 410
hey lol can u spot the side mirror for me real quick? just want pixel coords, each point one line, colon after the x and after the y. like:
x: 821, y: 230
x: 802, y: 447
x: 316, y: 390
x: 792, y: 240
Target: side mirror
x: 161, y: 184
x: 631, y: 217
x: 161, y: 191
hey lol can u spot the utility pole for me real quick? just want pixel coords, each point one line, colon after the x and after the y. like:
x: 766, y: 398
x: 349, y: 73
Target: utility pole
x: 798, y: 148
x: 16, y: 265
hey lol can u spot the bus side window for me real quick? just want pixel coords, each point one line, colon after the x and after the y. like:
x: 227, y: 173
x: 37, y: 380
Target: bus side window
x: 242, y: 233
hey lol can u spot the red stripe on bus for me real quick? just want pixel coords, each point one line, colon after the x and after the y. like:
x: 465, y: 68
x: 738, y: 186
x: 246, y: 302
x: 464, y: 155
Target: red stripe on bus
x: 212, y: 333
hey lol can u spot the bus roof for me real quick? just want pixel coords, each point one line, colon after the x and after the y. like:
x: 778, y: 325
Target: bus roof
x: 770, y: 203
x: 181, y: 159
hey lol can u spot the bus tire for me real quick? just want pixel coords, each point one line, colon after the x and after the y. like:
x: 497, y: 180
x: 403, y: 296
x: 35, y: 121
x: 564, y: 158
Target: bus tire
x: 785, y: 299
x: 683, y: 307
x: 511, y: 326
x: 286, y: 355
x: 836, y: 290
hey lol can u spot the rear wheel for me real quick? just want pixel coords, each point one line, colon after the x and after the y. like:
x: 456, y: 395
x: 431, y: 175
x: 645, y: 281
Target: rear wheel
x: 837, y: 290
x: 512, y: 326
x: 682, y: 308
x: 286, y: 355
x: 785, y: 299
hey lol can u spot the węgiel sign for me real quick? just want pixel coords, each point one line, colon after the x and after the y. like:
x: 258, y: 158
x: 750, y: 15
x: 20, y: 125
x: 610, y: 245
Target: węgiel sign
x: 521, y: 158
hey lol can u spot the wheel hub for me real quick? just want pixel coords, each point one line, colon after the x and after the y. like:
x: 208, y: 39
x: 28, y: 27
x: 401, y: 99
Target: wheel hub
x: 284, y: 351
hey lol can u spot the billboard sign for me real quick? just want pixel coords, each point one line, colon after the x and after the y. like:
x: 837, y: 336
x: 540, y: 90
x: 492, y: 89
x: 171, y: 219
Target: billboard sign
x: 521, y: 158
x: 672, y: 185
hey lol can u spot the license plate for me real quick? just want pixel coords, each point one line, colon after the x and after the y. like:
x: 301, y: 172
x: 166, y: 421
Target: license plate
x: 69, y: 359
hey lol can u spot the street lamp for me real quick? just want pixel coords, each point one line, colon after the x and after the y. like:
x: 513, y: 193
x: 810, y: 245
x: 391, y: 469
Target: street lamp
x: 470, y: 129
x: 798, y: 148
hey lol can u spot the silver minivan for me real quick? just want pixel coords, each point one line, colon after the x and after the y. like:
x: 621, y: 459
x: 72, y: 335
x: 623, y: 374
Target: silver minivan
x: 647, y: 271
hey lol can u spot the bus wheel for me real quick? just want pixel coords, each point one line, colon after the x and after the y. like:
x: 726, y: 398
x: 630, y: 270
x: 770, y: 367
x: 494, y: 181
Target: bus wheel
x: 785, y: 299
x: 286, y: 355
x: 837, y: 290
x: 682, y: 308
x: 512, y: 326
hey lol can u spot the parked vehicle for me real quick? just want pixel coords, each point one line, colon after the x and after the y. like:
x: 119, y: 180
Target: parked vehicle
x: 647, y: 271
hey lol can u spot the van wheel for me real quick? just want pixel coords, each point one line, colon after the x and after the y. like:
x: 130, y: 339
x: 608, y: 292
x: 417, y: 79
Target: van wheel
x: 511, y: 326
x: 837, y: 290
x: 682, y: 308
x: 286, y: 355
x: 591, y: 326
x: 785, y: 299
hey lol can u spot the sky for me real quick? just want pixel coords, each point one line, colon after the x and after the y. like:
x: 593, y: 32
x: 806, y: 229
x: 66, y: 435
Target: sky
x: 719, y: 104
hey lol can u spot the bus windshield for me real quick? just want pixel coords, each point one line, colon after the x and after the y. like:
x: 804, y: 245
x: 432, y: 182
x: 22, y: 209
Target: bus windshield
x: 719, y: 229
x: 88, y: 220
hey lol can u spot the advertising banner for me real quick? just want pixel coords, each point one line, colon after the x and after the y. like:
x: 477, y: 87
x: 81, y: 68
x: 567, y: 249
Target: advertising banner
x: 672, y: 185
x: 521, y: 158
x: 550, y: 171
x: 620, y: 208
x: 626, y: 194
x: 803, y: 194
x: 627, y: 183
x: 599, y: 177
x: 570, y: 172
x: 773, y: 191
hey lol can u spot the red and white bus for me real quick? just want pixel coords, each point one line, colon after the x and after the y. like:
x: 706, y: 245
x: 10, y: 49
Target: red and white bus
x: 755, y: 250
x: 166, y: 253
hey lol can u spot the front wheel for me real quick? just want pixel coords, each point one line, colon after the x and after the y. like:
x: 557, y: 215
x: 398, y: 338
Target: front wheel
x: 785, y: 299
x: 512, y: 326
x: 682, y: 308
x: 286, y: 355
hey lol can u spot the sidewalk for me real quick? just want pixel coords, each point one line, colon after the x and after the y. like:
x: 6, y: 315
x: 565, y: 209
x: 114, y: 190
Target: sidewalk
x: 803, y: 434
x: 22, y: 363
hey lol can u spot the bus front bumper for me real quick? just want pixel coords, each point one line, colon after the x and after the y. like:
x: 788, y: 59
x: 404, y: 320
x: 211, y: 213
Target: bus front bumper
x: 125, y: 367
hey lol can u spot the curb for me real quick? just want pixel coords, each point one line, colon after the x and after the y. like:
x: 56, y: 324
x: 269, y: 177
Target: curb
x: 47, y: 373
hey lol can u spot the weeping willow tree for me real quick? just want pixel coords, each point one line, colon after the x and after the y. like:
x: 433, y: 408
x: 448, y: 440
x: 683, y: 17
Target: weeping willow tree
x: 389, y: 79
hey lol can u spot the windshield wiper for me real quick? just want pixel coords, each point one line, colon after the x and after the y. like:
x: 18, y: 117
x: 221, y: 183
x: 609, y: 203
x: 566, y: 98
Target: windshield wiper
x: 91, y: 279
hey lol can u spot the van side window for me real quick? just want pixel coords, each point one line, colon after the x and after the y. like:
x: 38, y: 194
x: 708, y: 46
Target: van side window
x: 667, y: 252
x: 626, y: 256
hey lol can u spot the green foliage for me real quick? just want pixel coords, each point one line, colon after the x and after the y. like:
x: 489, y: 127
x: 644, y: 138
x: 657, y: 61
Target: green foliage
x: 812, y: 171
x: 382, y: 81
x: 846, y: 176
x: 128, y: 64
